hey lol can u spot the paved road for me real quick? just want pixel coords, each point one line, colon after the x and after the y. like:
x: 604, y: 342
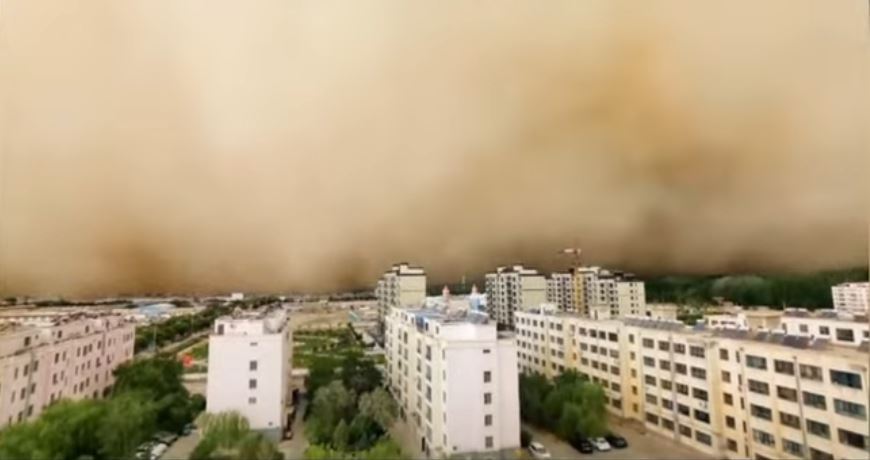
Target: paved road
x: 181, y: 449
x: 641, y: 446
x: 294, y: 449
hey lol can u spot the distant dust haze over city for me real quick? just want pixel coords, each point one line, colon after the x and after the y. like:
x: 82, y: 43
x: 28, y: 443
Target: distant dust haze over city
x: 214, y: 145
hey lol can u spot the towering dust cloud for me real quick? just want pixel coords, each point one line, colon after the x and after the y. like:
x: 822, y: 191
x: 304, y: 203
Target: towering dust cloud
x: 272, y: 145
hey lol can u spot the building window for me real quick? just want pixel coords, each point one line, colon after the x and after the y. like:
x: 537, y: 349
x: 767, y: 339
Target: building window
x: 845, y: 335
x: 487, y: 420
x: 850, y: 409
x: 703, y: 438
x: 723, y: 354
x: 680, y: 368
x: 783, y: 367
x: 729, y: 400
x: 816, y: 454
x: 761, y: 412
x: 756, y: 362
x: 488, y: 442
x: 759, y: 387
x: 667, y: 404
x: 846, y: 379
x: 669, y: 424
x: 685, y: 431
x: 726, y: 376
x: 652, y: 418
x: 679, y: 348
x: 700, y: 394
x: 850, y: 438
x: 683, y: 409
x: 252, y: 400
x: 648, y: 343
x: 487, y: 376
x: 699, y: 373
x: 790, y: 420
x: 697, y: 352
x: 788, y: 394
x: 664, y: 346
x: 821, y: 430
x: 810, y: 372
x: 732, y: 445
x: 815, y: 400
x: 487, y: 398
x: 649, y: 380
x: 682, y: 389
x: 793, y: 448
x: 763, y: 438
x: 252, y: 384
x: 651, y: 399
x: 730, y: 422
x: 252, y: 365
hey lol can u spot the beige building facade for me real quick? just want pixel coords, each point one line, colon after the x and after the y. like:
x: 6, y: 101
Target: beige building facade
x: 53, y: 356
x: 729, y: 393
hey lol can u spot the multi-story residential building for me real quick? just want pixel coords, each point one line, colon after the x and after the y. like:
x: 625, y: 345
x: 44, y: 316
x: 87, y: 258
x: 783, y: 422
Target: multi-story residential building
x: 852, y: 297
x: 454, y: 376
x: 560, y: 291
x: 402, y: 286
x: 513, y: 288
x: 47, y: 356
x: 727, y: 392
x: 840, y: 328
x: 250, y: 359
x: 595, y: 289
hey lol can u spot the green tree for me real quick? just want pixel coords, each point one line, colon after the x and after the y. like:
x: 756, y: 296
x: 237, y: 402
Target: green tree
x: 384, y: 449
x: 65, y: 430
x: 379, y: 406
x: 227, y: 428
x: 256, y: 447
x: 160, y: 376
x: 341, y: 436
x: 360, y: 374
x: 332, y: 404
x: 129, y: 420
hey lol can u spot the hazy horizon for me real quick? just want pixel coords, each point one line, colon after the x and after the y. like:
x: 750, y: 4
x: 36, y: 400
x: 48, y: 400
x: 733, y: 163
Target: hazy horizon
x: 214, y: 146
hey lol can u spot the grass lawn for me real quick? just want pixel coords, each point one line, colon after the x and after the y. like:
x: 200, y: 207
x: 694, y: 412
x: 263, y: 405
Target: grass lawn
x: 329, y: 345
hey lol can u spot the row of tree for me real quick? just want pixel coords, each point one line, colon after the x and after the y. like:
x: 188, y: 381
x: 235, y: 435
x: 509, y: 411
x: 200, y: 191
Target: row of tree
x: 810, y: 290
x: 569, y: 406
x: 351, y: 412
x: 147, y: 397
x: 228, y: 436
x: 177, y: 328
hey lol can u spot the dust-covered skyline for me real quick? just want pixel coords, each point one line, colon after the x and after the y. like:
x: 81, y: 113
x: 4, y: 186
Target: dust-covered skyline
x: 307, y: 145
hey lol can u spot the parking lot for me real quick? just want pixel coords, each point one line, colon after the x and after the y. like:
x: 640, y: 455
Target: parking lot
x: 641, y: 446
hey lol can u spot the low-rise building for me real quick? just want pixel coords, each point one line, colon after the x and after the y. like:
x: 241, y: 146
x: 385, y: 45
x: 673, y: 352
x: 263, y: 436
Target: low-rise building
x: 454, y: 376
x: 733, y: 393
x: 49, y: 355
x: 250, y: 360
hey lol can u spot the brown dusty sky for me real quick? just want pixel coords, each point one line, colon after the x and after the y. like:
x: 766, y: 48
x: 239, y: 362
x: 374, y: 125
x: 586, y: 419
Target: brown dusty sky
x: 272, y: 145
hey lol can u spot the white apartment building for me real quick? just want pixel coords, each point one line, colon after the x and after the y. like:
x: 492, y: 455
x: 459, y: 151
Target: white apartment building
x: 250, y: 360
x: 840, y: 328
x: 852, y: 297
x: 50, y: 355
x: 560, y: 291
x: 454, y: 376
x: 729, y: 393
x: 513, y: 288
x: 401, y: 286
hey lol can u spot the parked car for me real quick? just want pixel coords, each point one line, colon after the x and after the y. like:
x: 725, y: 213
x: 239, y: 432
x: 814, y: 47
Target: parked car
x: 144, y: 451
x: 601, y: 444
x: 165, y: 437
x: 582, y: 444
x: 158, y: 450
x: 189, y: 428
x: 617, y: 441
x: 538, y: 450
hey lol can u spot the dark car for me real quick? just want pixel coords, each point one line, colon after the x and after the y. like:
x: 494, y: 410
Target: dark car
x: 582, y: 444
x: 618, y: 442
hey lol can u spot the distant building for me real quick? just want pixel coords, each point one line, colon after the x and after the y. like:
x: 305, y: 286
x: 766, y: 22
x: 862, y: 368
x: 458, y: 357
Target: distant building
x: 237, y: 296
x: 455, y: 379
x: 401, y: 286
x: 620, y: 292
x: 513, y: 288
x: 560, y: 291
x: 47, y: 355
x: 249, y: 367
x: 852, y: 297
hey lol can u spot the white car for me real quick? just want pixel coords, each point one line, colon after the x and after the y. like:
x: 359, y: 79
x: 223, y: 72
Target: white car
x: 158, y: 450
x: 601, y: 444
x: 538, y: 450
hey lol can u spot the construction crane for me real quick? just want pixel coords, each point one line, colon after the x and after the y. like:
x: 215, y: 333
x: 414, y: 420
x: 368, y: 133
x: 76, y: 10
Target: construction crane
x: 575, y: 253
